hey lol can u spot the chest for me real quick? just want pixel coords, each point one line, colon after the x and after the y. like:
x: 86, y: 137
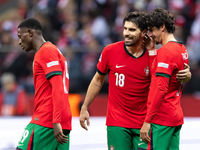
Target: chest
x: 131, y: 67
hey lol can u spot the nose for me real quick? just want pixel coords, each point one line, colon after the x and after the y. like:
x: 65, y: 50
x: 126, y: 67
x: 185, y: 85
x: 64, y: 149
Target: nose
x: 20, y: 42
x: 126, y: 32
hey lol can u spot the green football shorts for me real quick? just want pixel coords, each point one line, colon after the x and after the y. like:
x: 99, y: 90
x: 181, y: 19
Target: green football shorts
x: 120, y: 138
x: 162, y: 138
x: 36, y: 137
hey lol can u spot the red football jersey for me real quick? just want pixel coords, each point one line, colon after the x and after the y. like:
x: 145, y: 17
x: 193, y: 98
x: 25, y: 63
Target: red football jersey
x: 49, y: 61
x: 129, y: 81
x: 169, y: 60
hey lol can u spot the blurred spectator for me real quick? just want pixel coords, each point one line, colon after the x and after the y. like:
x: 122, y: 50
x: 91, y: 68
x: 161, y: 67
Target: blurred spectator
x: 16, y: 61
x: 5, y: 37
x: 12, y: 97
x: 74, y: 65
x: 89, y: 61
x: 74, y: 26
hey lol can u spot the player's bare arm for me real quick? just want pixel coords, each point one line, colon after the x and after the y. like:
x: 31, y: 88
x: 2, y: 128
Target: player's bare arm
x: 184, y: 75
x: 92, y: 92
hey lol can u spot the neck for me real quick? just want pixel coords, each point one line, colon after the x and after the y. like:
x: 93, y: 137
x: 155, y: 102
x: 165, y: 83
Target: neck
x: 137, y: 49
x: 168, y: 37
x: 38, y: 43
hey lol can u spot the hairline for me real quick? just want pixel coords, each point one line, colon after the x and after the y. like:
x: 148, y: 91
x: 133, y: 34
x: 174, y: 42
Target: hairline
x: 28, y: 28
x: 24, y: 27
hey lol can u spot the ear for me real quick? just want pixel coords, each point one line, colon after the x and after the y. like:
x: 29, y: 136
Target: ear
x: 144, y: 32
x: 30, y: 32
x: 163, y: 27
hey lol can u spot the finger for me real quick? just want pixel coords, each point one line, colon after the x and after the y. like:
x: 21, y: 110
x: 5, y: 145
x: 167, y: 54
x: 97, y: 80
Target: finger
x: 83, y: 125
x: 65, y: 136
x: 186, y: 66
x: 147, y: 36
x: 181, y: 72
x: 88, y: 122
x: 147, y: 137
x: 62, y: 139
x: 65, y: 139
x: 181, y: 75
x: 180, y: 79
x: 142, y: 136
x: 58, y: 139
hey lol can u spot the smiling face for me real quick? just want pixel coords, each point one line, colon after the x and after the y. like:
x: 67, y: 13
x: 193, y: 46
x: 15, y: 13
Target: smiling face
x: 156, y: 34
x: 131, y: 33
x: 25, y: 39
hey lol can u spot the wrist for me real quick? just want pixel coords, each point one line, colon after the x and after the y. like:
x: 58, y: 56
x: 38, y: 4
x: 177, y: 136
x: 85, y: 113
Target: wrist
x: 152, y: 52
x: 84, y: 108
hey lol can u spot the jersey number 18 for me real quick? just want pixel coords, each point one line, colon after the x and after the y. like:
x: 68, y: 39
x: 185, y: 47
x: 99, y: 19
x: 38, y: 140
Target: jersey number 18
x: 120, y: 78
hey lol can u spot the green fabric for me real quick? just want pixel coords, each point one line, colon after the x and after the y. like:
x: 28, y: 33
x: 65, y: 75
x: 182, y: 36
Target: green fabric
x: 42, y: 139
x: 162, y: 138
x: 163, y: 75
x: 120, y: 138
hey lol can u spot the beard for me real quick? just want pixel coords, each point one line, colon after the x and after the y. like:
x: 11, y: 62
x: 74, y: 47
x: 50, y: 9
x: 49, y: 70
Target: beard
x: 133, y: 41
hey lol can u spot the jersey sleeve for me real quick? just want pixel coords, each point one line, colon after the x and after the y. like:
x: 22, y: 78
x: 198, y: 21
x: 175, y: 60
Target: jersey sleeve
x: 152, y: 55
x: 165, y: 63
x: 103, y: 63
x: 158, y: 97
x: 50, y: 62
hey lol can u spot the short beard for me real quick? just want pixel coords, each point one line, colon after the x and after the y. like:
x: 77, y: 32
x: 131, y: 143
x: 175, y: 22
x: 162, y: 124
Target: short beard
x: 129, y: 44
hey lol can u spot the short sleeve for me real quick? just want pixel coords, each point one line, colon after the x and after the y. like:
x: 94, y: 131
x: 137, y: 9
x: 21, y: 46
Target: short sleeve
x: 103, y: 62
x: 165, y: 63
x: 50, y: 62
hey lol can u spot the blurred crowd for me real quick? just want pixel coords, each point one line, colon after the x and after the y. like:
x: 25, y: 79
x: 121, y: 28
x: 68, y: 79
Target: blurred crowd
x: 82, y: 28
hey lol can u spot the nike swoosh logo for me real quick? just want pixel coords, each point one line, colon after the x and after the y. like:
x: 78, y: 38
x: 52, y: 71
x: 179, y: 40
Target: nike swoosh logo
x: 140, y: 144
x: 120, y: 66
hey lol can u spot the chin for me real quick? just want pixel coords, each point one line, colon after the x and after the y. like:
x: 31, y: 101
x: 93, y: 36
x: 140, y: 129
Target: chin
x: 128, y: 44
x: 27, y: 50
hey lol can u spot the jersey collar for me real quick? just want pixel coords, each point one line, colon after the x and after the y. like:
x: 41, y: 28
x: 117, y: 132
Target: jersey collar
x: 41, y: 45
x: 179, y: 42
x: 131, y: 54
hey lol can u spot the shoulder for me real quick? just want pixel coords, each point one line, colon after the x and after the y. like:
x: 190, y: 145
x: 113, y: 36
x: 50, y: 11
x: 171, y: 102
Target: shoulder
x: 164, y: 49
x: 48, y: 48
x: 114, y: 47
x: 166, y: 54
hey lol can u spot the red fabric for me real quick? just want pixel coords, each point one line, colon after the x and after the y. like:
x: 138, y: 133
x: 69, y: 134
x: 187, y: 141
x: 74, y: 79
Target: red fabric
x: 49, y: 62
x: 129, y: 81
x: 31, y: 141
x: 166, y: 109
x: 161, y: 90
x: 57, y: 94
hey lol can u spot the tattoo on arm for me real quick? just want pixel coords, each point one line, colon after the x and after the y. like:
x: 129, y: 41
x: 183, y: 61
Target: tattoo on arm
x: 96, y: 85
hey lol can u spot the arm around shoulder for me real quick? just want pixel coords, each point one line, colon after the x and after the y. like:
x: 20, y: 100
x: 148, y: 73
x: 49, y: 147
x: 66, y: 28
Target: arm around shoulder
x: 184, y: 75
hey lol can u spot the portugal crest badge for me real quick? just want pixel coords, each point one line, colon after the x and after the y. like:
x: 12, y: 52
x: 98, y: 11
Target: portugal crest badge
x: 146, y: 70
